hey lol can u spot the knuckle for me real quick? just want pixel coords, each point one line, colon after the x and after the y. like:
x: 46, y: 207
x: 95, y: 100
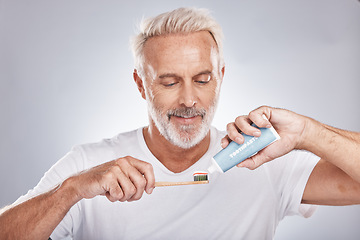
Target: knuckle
x: 123, y: 160
x: 108, y: 176
x: 119, y: 162
x: 132, y: 191
x: 113, y: 168
x: 142, y: 183
x: 232, y: 135
x: 128, y: 158
x: 148, y: 167
x: 119, y: 196
x: 123, y: 163
x: 233, y: 132
x: 239, y: 119
x: 111, y: 199
x: 137, y: 197
x: 117, y: 193
x: 129, y: 193
x: 252, y: 114
x: 229, y: 125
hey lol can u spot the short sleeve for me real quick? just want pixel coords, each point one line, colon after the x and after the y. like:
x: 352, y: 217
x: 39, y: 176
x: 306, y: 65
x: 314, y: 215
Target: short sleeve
x: 67, y: 166
x: 289, y: 175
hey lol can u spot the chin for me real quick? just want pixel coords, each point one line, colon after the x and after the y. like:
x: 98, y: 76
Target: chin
x: 183, y: 139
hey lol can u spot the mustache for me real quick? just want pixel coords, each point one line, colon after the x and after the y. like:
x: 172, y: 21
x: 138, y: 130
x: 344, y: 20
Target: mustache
x: 186, y: 112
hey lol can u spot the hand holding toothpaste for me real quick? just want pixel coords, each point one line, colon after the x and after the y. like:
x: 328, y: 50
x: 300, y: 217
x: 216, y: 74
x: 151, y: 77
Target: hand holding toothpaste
x: 338, y: 149
x: 289, y: 126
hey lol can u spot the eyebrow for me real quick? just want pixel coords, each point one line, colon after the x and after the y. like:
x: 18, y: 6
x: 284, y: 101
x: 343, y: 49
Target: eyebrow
x: 168, y: 75
x: 173, y: 75
x: 206, y: 72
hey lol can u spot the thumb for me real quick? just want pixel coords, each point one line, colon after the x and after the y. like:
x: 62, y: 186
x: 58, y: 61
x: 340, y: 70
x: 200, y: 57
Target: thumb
x: 255, y: 161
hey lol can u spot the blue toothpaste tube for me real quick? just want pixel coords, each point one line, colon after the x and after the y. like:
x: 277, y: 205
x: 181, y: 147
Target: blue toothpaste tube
x: 235, y: 153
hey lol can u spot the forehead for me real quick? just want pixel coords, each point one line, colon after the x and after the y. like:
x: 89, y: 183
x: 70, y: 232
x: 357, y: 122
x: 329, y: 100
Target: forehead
x: 180, y: 50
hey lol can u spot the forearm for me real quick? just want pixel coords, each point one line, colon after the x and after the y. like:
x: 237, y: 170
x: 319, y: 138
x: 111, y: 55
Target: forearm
x: 38, y: 217
x: 340, y: 147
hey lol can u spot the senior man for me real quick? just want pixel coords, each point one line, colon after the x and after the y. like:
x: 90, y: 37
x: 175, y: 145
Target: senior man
x: 179, y: 69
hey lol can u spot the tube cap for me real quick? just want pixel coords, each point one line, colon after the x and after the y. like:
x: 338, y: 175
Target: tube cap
x: 214, y: 167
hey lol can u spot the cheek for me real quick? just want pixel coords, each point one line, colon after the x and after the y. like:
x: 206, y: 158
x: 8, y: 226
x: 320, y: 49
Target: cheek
x: 208, y: 97
x: 169, y: 99
x: 164, y: 100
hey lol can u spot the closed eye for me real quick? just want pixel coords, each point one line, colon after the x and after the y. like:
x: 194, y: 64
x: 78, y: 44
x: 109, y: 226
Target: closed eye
x: 169, y: 80
x: 203, y: 78
x: 202, y: 82
x: 169, y: 84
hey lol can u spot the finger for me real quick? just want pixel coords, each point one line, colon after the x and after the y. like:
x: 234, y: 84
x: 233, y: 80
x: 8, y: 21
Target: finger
x: 144, y: 168
x: 117, y: 174
x: 255, y: 161
x: 139, y: 182
x: 127, y: 187
x: 261, y: 116
x: 244, y: 124
x: 234, y: 134
x: 115, y: 193
x: 225, y: 141
x: 247, y: 163
x: 111, y: 185
x: 147, y: 171
x: 114, y: 179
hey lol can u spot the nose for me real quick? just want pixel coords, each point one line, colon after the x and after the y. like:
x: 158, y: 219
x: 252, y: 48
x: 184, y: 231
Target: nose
x: 188, y: 96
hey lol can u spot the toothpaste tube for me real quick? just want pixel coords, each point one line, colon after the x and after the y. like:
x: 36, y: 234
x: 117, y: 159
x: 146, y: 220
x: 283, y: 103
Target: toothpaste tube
x: 235, y: 153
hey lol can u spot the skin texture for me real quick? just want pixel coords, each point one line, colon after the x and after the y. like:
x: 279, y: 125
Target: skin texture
x: 335, y: 180
x: 181, y: 71
x: 125, y: 179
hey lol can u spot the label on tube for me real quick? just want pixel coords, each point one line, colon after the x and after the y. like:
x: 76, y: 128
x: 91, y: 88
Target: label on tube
x: 235, y: 153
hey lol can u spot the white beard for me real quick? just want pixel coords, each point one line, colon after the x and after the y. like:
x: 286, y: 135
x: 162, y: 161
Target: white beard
x: 187, y: 135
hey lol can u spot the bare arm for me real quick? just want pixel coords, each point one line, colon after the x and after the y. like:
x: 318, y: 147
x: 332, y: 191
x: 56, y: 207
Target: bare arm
x: 38, y: 217
x: 340, y: 147
x: 336, y: 178
x: 124, y: 179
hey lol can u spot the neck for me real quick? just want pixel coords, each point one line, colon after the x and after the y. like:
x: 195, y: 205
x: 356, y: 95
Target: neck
x: 174, y: 158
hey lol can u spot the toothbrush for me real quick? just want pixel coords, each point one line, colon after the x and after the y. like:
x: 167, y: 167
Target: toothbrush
x: 199, y: 178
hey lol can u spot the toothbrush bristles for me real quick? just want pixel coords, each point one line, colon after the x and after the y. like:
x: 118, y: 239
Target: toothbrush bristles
x: 200, y: 176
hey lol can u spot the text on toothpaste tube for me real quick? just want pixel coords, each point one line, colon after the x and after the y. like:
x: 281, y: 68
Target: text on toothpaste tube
x: 243, y: 147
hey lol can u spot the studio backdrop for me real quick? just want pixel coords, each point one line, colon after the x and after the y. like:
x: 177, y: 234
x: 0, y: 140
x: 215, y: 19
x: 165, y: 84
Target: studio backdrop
x: 66, y: 79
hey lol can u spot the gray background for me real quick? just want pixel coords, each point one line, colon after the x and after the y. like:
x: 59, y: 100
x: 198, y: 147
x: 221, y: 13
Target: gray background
x: 66, y: 79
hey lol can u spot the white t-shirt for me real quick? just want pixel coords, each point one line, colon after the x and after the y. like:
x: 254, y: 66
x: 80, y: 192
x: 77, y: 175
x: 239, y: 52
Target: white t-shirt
x: 239, y: 204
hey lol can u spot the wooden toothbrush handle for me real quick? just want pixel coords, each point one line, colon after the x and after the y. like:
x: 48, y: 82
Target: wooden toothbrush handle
x: 167, y: 184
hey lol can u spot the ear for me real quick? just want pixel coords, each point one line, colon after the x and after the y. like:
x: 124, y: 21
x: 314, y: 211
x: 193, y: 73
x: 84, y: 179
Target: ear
x: 139, y: 84
x: 222, y: 73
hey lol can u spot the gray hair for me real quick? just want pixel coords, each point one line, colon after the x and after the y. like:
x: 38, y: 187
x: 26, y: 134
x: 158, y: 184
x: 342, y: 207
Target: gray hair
x: 181, y: 20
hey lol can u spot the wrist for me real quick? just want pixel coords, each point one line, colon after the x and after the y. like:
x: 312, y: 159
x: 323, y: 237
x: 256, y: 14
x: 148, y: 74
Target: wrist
x: 68, y: 190
x: 309, y: 134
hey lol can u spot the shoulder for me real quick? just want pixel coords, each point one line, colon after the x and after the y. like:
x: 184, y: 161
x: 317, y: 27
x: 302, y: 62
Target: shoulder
x: 107, y: 149
x: 295, y: 165
x: 119, y: 140
x: 294, y: 159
